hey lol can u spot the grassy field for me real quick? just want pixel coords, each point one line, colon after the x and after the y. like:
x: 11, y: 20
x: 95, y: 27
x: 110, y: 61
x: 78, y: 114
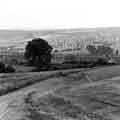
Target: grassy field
x: 12, y: 82
x: 64, y: 95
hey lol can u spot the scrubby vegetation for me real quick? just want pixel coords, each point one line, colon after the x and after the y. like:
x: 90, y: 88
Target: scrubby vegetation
x: 100, y: 50
x: 4, y: 68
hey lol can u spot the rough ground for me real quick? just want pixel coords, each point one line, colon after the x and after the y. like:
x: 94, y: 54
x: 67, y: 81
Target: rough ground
x: 89, y: 95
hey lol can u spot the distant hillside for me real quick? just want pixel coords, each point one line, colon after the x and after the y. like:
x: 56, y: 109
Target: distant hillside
x: 62, y: 39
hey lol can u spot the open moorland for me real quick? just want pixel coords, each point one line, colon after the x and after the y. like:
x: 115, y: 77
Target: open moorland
x: 67, y: 90
x: 86, y: 94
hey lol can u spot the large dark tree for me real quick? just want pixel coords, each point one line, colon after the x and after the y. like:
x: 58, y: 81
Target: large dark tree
x: 38, y: 52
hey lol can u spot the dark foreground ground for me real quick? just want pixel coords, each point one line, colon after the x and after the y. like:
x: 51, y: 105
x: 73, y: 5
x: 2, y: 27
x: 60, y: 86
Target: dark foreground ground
x: 77, y: 94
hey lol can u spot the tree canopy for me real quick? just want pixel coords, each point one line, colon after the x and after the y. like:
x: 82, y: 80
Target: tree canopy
x: 38, y: 52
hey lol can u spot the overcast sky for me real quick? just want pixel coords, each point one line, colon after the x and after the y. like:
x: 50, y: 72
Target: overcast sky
x: 50, y: 14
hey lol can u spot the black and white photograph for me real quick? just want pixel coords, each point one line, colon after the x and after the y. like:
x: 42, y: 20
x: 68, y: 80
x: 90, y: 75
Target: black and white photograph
x: 59, y: 60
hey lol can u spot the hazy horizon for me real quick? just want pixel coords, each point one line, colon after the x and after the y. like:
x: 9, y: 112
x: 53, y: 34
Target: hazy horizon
x: 58, y: 37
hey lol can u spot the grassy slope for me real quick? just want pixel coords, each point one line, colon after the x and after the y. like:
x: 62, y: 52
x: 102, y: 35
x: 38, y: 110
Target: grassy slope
x: 93, y: 94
